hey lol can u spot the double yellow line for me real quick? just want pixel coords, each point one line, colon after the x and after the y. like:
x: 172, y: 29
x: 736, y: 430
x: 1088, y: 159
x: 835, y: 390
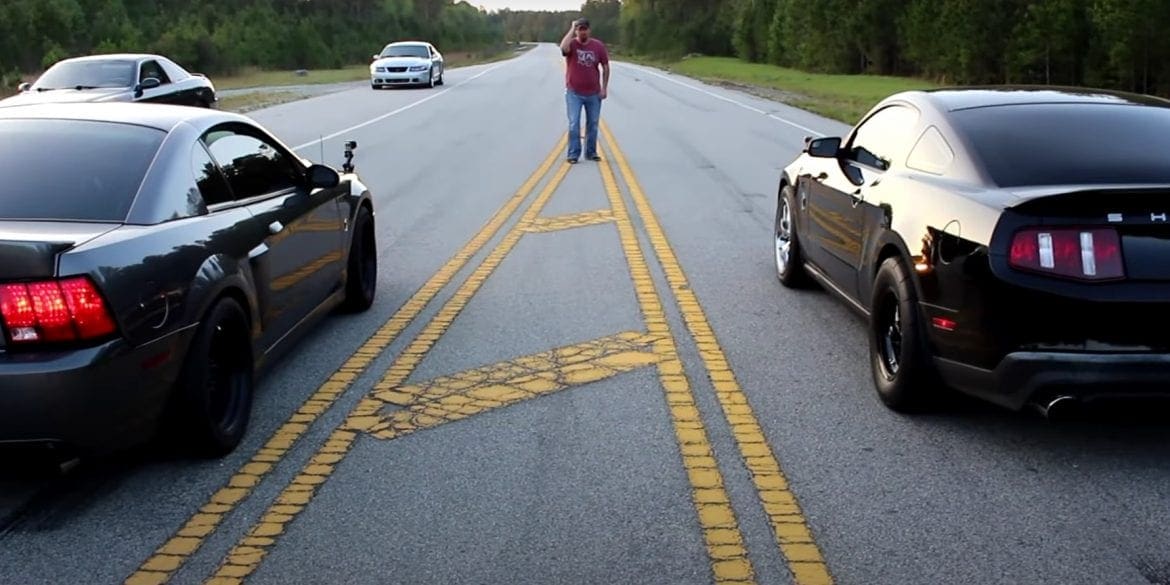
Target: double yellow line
x: 788, y: 524
x: 169, y: 558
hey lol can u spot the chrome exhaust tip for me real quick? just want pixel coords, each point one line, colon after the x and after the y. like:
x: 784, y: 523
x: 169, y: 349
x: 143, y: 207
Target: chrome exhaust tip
x: 1061, y: 407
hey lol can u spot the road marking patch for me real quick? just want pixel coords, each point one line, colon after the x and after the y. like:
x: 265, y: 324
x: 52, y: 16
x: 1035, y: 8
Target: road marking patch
x: 570, y: 221
x: 168, y: 558
x: 789, y: 526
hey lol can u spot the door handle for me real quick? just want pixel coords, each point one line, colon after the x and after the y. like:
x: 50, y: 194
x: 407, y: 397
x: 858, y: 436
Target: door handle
x: 275, y: 227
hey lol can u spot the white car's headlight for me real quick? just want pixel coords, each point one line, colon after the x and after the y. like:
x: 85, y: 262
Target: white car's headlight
x: 420, y: 67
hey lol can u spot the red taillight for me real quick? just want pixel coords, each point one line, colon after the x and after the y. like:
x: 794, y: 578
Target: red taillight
x: 1085, y: 254
x: 54, y: 311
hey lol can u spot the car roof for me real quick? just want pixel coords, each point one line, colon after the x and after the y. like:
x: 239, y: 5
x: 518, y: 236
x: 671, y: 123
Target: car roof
x: 964, y: 98
x: 158, y: 116
x: 411, y: 43
x: 116, y: 57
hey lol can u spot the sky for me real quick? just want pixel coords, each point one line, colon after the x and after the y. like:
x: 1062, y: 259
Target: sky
x: 529, y: 4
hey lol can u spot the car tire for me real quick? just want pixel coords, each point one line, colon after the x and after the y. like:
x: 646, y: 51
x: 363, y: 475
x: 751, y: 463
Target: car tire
x: 432, y: 78
x: 442, y: 72
x: 361, y: 280
x: 375, y: 86
x: 214, y: 401
x: 903, y: 370
x: 789, y: 257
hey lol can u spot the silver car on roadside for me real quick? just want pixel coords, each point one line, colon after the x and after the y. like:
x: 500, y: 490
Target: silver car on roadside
x: 407, y: 63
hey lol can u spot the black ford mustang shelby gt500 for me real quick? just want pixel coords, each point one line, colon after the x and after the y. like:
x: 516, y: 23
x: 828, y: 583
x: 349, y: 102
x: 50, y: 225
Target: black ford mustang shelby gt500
x: 1010, y: 242
x: 152, y: 260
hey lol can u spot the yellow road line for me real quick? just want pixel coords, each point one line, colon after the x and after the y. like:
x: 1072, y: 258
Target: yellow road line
x: 570, y: 221
x: 789, y: 525
x: 721, y: 533
x: 464, y: 395
x: 246, y: 556
x: 168, y: 558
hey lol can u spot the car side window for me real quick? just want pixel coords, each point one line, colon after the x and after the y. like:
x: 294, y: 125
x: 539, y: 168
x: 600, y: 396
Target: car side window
x: 152, y: 69
x: 253, y: 166
x: 884, y: 137
x: 932, y: 154
x: 213, y: 187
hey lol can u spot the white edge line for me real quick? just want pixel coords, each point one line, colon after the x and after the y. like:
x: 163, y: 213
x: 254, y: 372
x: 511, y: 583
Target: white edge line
x: 724, y: 98
x: 402, y: 109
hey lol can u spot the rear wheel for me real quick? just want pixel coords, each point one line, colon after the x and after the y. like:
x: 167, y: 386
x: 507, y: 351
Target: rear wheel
x: 215, y: 393
x: 789, y: 259
x: 903, y: 372
x: 432, y: 80
x: 361, y: 281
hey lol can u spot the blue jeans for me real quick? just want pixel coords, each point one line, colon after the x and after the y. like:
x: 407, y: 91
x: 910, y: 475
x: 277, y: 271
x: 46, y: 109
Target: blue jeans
x: 592, y: 104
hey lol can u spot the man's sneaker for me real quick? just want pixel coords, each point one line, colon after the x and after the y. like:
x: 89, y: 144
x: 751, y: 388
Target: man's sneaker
x: 596, y: 157
x: 572, y: 161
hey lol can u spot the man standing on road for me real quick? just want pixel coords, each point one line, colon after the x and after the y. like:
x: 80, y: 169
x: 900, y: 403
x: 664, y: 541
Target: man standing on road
x: 585, y: 86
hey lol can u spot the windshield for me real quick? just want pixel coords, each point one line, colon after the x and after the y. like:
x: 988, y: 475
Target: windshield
x: 72, y: 170
x: 87, y: 74
x: 1064, y: 144
x: 406, y: 51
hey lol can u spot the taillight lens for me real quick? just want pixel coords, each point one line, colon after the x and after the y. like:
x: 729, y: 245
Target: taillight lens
x: 54, y: 311
x: 1084, y: 254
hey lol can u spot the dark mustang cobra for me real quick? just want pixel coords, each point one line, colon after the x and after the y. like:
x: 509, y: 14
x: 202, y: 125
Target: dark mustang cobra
x: 152, y: 261
x: 117, y: 78
x: 1012, y: 243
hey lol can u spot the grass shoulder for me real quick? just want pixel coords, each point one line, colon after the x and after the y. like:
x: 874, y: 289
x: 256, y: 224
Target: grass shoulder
x: 840, y: 97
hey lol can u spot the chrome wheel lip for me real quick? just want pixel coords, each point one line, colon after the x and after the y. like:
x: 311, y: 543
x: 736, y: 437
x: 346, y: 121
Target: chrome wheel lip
x: 783, y: 237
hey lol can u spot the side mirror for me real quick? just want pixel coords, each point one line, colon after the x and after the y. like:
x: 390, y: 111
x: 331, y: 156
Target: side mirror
x: 24, y: 87
x: 323, y: 177
x: 823, y: 147
x: 375, y: 58
x: 145, y: 84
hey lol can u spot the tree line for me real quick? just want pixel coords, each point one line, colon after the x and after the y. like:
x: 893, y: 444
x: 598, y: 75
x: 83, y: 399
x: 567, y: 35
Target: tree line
x: 1104, y: 43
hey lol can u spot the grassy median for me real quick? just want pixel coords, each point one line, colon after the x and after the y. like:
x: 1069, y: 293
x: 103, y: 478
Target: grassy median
x: 840, y: 97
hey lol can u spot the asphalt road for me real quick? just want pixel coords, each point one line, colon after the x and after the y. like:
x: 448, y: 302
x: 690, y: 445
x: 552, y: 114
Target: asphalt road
x: 589, y: 374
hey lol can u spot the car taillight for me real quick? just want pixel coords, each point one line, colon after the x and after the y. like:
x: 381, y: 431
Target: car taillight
x: 1085, y: 254
x: 54, y: 311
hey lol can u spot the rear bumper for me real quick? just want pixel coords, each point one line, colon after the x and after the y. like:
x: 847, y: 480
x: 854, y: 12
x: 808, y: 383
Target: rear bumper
x: 1023, y: 377
x: 93, y: 400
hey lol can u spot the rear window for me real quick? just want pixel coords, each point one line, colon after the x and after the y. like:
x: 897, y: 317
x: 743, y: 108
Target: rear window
x: 1055, y: 144
x: 72, y: 170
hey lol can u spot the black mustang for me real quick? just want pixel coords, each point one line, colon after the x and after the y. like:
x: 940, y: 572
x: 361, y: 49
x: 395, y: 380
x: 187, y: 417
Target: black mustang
x: 1013, y: 243
x: 152, y: 261
x: 117, y: 78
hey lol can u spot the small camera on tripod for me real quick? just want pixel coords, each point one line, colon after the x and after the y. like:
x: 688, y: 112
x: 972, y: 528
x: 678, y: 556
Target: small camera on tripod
x: 350, y: 146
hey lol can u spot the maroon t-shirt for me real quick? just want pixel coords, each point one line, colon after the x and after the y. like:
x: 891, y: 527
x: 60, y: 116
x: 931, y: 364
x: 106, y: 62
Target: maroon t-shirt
x: 582, y: 71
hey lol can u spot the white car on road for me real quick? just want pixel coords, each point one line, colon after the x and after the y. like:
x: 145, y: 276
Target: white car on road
x: 407, y: 63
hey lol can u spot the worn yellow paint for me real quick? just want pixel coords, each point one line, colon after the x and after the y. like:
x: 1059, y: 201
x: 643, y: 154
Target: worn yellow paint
x: 238, y: 565
x: 570, y: 221
x: 724, y: 540
x: 789, y: 526
x: 277, y: 446
x: 504, y: 384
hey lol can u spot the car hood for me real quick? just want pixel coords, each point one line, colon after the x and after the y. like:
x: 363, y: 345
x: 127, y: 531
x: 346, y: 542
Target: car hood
x: 401, y: 62
x: 61, y: 96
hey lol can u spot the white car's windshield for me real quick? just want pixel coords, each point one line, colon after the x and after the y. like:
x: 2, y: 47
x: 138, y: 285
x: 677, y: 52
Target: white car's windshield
x: 87, y: 75
x: 406, y: 51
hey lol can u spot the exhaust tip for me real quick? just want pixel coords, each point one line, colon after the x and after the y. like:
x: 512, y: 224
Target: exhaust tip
x: 1062, y: 407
